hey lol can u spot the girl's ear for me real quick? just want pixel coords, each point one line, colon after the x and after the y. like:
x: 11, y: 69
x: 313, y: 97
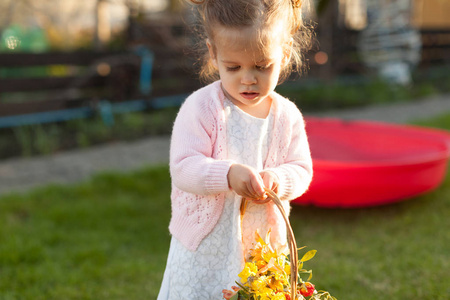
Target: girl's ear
x: 287, y: 53
x: 212, y: 53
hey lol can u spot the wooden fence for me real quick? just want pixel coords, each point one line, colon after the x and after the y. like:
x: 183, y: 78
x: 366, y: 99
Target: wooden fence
x: 50, y: 87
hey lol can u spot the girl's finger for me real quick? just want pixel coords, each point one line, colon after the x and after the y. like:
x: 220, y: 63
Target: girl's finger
x: 244, y: 190
x: 258, y: 187
x: 274, y: 187
x: 261, y: 201
x: 251, y: 190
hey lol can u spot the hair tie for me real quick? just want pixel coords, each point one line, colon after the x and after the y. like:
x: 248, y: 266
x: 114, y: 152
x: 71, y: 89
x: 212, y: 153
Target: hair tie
x: 295, y: 3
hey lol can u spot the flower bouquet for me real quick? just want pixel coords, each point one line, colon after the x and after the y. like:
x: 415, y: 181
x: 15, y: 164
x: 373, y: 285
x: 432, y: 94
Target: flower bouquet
x: 273, y: 274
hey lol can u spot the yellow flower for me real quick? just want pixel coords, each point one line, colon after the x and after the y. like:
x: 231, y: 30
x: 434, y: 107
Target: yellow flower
x: 275, y: 284
x: 264, y: 294
x: 281, y: 276
x: 287, y: 269
x: 267, y: 254
x: 267, y: 273
x: 255, y: 253
x: 262, y: 249
x: 260, y: 263
x: 279, y: 296
x: 250, y: 269
x: 272, y: 267
x: 259, y: 284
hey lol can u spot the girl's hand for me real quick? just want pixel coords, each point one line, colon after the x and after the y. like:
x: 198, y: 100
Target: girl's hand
x: 270, y: 180
x: 246, y: 182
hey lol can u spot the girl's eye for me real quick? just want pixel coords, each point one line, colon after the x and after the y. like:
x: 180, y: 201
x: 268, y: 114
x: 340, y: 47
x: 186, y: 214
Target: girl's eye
x: 231, y: 69
x: 264, y: 67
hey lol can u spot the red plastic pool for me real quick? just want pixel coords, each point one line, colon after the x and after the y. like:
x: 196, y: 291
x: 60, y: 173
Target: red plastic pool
x: 362, y: 163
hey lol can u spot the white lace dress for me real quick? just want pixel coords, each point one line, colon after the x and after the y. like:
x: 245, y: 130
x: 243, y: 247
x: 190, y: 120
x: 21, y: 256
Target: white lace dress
x: 216, y: 263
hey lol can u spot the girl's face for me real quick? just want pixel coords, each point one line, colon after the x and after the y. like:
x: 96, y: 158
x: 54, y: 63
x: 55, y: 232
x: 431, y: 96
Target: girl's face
x: 248, y: 73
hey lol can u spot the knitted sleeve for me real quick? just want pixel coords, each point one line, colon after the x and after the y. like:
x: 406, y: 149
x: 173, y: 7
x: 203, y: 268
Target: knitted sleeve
x: 193, y: 167
x: 295, y: 169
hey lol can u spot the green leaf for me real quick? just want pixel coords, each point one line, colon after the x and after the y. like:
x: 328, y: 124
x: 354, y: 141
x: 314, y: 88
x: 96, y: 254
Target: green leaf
x: 303, y: 271
x: 308, y: 255
x: 310, y: 276
x: 235, y: 297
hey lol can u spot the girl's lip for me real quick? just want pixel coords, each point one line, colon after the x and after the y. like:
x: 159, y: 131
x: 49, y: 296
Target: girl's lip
x: 249, y: 95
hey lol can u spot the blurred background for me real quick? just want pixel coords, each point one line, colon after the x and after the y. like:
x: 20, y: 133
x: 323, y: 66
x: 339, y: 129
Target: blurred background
x: 76, y: 73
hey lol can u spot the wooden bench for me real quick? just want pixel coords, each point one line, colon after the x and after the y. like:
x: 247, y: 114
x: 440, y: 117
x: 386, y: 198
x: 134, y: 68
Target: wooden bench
x: 52, y: 87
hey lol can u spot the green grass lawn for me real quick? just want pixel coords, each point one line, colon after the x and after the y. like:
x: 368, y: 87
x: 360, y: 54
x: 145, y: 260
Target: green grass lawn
x: 107, y: 238
x: 104, y: 239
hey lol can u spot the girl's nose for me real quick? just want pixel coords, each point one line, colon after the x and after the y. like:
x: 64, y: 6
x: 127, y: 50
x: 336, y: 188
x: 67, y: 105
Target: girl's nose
x: 248, y: 78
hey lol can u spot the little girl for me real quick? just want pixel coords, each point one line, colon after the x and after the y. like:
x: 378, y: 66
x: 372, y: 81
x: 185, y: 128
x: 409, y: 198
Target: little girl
x: 231, y: 139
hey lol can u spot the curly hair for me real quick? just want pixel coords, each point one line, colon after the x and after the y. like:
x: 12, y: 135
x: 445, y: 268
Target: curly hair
x: 264, y: 15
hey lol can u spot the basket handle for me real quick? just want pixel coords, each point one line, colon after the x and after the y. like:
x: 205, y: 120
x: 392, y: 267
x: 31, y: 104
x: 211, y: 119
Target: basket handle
x: 292, y: 244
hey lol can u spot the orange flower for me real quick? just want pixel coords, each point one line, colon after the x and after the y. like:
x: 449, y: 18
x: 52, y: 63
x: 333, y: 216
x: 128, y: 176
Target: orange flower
x: 235, y: 288
x: 307, y: 289
x: 227, y: 294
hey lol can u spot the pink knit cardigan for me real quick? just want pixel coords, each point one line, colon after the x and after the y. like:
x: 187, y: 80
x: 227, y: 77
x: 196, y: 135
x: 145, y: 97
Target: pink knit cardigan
x: 199, y: 162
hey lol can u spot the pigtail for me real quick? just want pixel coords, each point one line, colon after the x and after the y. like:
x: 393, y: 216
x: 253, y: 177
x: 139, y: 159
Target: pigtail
x: 298, y: 8
x: 295, y: 3
x: 301, y: 37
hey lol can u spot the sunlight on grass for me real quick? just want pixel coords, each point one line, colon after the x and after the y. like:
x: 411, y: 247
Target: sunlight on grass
x: 104, y: 239
x: 442, y: 121
x: 398, y: 251
x: 107, y: 238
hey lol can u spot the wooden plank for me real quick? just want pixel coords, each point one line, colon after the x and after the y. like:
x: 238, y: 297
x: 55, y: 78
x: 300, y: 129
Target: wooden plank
x: 46, y: 117
x: 56, y: 58
x: 171, y: 76
x: 77, y: 58
x: 48, y: 83
x: 11, y: 109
